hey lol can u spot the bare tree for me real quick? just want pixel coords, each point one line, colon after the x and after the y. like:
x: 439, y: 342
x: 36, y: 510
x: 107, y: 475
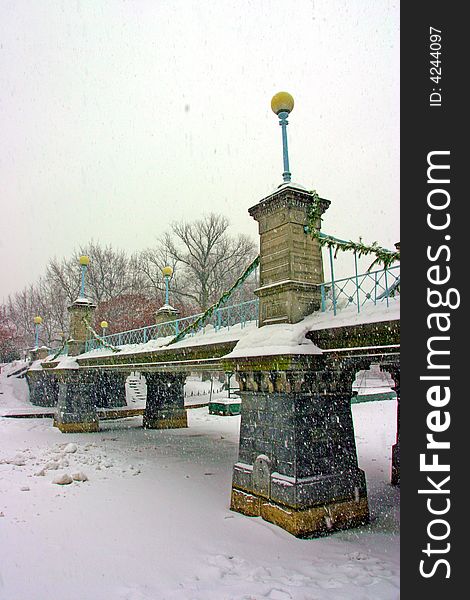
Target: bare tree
x: 45, y: 299
x: 11, y: 341
x: 206, y: 256
x: 149, y: 264
x: 111, y: 273
x: 64, y: 275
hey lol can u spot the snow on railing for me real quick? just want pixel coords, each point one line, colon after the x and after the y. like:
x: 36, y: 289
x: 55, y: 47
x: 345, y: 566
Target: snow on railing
x: 226, y: 316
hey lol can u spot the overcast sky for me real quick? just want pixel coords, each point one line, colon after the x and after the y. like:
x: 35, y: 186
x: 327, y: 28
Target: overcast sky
x: 118, y: 117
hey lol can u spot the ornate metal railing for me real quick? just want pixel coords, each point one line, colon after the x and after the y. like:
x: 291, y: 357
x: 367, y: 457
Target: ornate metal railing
x: 226, y: 316
x: 373, y: 286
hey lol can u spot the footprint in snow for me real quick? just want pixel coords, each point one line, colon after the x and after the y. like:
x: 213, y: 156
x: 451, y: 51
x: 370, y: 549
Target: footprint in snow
x: 277, y: 594
x: 330, y: 584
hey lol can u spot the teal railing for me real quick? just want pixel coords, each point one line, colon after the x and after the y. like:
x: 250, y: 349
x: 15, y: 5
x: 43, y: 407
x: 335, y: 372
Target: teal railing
x: 371, y: 287
x: 226, y: 316
x: 374, y: 286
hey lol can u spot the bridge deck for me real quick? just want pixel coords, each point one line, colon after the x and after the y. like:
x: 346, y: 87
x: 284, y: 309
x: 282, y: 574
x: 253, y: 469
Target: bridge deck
x: 374, y: 331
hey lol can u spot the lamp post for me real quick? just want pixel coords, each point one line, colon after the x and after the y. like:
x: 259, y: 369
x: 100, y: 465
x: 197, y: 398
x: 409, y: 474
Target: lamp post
x: 37, y: 322
x: 167, y: 273
x: 282, y: 104
x: 84, y: 262
x: 104, y: 326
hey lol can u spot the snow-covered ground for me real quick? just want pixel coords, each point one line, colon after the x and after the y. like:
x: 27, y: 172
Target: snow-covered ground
x: 152, y: 522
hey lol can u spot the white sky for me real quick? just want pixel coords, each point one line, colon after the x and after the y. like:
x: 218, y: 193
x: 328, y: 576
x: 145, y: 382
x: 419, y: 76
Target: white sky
x: 117, y: 117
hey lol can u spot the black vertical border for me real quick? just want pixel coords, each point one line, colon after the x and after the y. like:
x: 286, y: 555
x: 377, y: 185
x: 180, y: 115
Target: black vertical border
x: 425, y: 129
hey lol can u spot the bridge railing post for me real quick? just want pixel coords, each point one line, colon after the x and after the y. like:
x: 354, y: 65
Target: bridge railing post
x: 291, y: 266
x: 80, y: 313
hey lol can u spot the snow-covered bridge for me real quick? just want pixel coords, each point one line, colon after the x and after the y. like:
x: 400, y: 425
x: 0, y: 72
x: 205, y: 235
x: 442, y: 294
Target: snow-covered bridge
x: 296, y: 355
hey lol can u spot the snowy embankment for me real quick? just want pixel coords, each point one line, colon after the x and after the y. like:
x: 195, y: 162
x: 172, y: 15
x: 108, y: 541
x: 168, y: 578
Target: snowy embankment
x: 152, y: 522
x: 14, y: 395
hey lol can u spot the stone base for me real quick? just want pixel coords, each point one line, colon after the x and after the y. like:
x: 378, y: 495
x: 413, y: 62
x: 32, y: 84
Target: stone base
x: 287, y: 302
x: 395, y: 478
x: 310, y: 522
x: 75, y: 347
x: 174, y: 419
x: 39, y: 353
x: 88, y: 427
x: 43, y: 388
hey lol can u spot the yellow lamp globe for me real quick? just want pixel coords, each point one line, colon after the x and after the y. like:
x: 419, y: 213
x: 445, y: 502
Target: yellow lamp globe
x: 38, y: 320
x: 104, y: 324
x: 282, y: 102
x: 167, y: 271
x: 84, y: 260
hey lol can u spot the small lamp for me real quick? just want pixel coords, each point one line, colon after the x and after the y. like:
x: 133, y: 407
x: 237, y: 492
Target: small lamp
x: 104, y: 325
x: 84, y: 262
x: 282, y: 104
x: 37, y: 322
x: 167, y: 273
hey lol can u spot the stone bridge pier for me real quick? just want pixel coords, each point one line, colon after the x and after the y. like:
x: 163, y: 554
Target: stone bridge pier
x: 43, y: 387
x: 165, y: 401
x: 81, y: 391
x: 394, y: 370
x: 108, y: 387
x: 297, y: 464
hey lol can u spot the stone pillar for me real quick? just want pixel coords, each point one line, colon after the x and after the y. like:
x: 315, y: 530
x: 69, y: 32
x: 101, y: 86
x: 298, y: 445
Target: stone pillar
x: 76, y: 409
x: 166, y: 313
x: 290, y: 259
x: 82, y: 309
x: 297, y: 464
x: 39, y: 353
x: 110, y: 391
x: 394, y: 371
x: 165, y: 401
x: 43, y: 387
